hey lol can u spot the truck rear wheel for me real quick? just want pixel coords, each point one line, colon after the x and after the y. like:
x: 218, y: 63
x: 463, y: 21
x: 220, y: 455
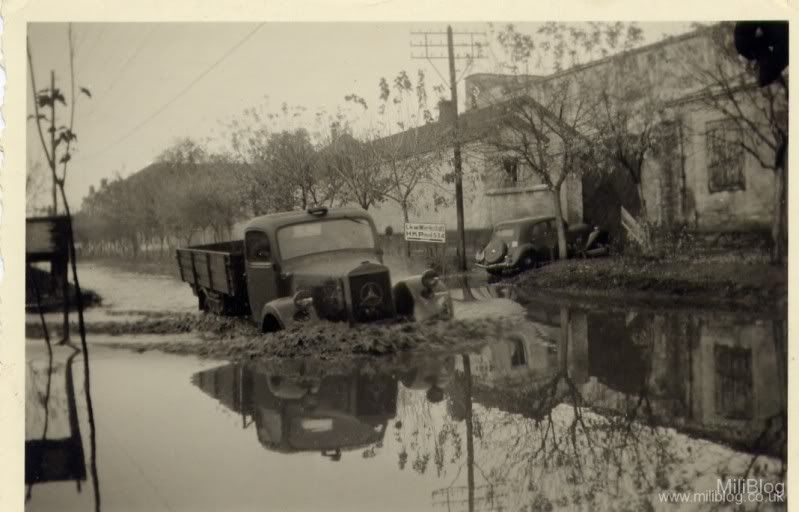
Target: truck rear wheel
x: 202, y: 302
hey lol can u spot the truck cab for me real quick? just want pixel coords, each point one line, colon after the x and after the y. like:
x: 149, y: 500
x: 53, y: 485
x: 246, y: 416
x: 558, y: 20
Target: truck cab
x: 327, y: 264
x: 304, y: 266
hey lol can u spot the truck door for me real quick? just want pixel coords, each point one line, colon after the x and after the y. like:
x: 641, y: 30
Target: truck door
x: 261, y: 275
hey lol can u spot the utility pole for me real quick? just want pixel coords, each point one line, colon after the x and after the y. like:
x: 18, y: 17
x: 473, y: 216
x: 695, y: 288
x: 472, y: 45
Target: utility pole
x: 456, y: 143
x: 474, y: 52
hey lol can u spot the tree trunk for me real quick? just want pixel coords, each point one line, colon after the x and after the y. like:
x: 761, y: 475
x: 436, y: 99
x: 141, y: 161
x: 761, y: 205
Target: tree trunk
x: 562, y: 252
x: 405, y: 217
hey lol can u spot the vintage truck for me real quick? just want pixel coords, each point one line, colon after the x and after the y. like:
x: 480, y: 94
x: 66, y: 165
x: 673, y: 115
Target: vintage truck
x: 329, y: 413
x: 305, y: 266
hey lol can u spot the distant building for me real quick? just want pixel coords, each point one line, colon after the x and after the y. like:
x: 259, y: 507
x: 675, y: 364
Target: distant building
x: 700, y: 178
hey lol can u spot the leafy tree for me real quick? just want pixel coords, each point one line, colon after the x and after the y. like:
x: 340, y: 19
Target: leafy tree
x: 406, y: 161
x: 351, y: 163
x: 292, y: 160
x: 35, y: 184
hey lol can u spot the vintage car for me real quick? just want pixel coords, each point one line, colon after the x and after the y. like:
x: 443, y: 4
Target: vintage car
x: 304, y: 266
x: 521, y: 244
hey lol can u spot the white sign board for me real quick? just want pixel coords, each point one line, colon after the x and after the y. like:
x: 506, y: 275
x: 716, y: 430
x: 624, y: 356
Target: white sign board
x: 425, y: 232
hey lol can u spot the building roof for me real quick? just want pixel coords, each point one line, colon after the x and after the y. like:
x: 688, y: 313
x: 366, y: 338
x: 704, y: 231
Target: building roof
x: 474, y: 124
x: 273, y: 221
x: 527, y: 80
x: 526, y: 220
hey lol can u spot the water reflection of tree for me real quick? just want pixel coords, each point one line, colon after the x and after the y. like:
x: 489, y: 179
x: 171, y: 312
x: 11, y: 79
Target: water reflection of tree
x: 559, y: 441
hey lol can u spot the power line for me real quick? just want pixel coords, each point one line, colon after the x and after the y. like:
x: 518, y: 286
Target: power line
x: 121, y: 71
x: 181, y: 92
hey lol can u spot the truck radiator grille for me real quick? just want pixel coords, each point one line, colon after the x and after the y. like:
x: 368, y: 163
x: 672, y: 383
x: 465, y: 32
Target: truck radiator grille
x: 371, y: 297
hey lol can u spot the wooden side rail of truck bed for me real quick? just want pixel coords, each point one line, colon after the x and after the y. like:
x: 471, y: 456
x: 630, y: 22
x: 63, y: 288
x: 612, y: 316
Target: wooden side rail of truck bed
x: 216, y: 275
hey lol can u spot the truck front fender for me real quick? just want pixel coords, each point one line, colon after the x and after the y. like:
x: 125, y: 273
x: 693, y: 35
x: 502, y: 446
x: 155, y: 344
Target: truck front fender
x: 282, y: 313
x: 413, y: 300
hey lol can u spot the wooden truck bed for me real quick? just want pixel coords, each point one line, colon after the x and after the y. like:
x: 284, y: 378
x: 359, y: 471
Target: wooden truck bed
x: 217, y: 267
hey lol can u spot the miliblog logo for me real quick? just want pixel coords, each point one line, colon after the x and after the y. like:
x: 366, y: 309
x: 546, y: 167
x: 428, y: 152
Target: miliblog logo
x: 740, y: 490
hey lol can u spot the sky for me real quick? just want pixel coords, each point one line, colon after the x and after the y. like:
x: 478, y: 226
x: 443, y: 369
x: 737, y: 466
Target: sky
x: 153, y: 83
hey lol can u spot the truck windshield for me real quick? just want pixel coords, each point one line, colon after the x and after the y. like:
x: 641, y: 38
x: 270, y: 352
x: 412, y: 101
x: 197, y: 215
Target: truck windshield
x: 325, y: 235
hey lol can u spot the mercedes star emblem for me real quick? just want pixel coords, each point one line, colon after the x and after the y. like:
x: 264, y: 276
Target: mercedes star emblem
x: 371, y: 295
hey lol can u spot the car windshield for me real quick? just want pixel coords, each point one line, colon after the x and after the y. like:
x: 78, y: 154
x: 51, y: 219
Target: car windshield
x: 505, y: 233
x: 325, y: 235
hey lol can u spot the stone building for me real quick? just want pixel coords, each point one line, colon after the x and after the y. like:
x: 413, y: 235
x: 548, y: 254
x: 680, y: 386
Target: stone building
x: 698, y: 177
x: 495, y: 186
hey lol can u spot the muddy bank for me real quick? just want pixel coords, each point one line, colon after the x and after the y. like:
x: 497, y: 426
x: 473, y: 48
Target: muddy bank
x: 699, y: 284
x: 238, y: 339
x: 155, y: 322
x: 327, y: 341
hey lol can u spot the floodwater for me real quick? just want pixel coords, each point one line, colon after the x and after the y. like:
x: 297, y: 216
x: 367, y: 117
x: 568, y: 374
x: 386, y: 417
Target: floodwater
x: 126, y: 295
x: 577, y: 409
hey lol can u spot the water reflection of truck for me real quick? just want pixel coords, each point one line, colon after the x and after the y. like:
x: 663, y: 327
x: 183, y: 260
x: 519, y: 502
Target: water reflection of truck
x: 301, y: 413
x: 303, y: 266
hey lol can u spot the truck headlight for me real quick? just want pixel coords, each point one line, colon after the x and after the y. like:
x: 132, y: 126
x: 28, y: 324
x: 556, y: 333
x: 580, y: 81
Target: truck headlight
x: 303, y: 299
x: 429, y: 279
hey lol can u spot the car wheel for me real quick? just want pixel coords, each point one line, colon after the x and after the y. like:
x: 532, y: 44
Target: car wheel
x: 495, y: 251
x: 528, y: 262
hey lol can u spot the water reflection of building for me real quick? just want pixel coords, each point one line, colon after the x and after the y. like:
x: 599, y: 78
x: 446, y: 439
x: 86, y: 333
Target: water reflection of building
x: 294, y: 412
x: 713, y: 375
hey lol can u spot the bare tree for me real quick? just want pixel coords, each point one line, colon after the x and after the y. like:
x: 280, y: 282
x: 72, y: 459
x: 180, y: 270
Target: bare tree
x: 759, y: 114
x: 547, y: 139
x: 550, y: 126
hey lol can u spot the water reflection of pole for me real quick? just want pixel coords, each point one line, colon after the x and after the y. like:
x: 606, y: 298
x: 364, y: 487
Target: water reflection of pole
x: 467, y: 372
x: 563, y: 350
x: 467, y: 290
x: 72, y: 407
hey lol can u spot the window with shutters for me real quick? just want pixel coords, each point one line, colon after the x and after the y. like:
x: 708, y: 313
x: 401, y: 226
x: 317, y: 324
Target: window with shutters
x: 734, y: 390
x: 725, y: 156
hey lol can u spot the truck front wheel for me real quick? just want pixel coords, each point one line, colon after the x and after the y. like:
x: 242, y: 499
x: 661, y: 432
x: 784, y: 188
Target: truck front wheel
x: 270, y: 324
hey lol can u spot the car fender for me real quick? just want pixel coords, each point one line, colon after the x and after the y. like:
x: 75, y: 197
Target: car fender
x: 412, y: 301
x: 286, y: 313
x: 520, y: 251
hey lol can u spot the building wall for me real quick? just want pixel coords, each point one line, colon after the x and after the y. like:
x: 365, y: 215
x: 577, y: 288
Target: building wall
x: 436, y: 203
x: 676, y: 180
x: 762, y: 389
x: 487, y: 200
x: 752, y: 207
x: 661, y: 63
